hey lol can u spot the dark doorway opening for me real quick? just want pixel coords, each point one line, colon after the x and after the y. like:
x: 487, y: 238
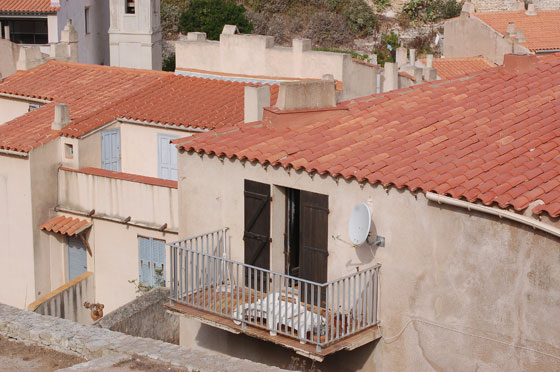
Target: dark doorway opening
x: 292, y: 231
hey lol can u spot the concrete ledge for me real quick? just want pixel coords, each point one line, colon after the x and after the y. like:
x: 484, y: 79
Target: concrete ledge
x: 93, y: 342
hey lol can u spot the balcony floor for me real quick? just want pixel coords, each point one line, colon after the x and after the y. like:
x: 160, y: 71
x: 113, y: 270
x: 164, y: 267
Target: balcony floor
x: 223, y: 322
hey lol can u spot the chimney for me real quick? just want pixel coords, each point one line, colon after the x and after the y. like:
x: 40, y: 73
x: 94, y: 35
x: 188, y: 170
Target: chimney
x: 256, y: 99
x: 518, y: 5
x: 401, y: 57
x: 196, y: 36
x: 412, y: 56
x: 390, y: 77
x: 531, y: 11
x: 301, y: 45
x: 467, y: 9
x: 510, y: 30
x: 61, y: 116
x: 519, y: 63
x: 230, y: 30
x: 7, y: 32
x: 429, y: 72
x: 310, y: 94
x: 520, y: 36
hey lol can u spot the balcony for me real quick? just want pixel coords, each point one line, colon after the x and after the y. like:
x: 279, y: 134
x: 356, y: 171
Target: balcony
x: 313, y: 319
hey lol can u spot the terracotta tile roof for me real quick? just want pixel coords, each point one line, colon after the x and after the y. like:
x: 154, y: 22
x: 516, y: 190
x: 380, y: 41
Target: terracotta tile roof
x: 493, y: 137
x: 97, y: 95
x: 448, y: 68
x: 124, y: 176
x: 65, y: 225
x: 27, y: 6
x: 192, y: 102
x: 542, y: 31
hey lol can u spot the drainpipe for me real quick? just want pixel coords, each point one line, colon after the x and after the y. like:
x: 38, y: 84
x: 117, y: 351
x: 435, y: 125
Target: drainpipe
x: 440, y: 199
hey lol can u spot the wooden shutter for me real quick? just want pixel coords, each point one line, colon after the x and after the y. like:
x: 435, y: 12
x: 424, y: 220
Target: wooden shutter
x: 314, y: 234
x: 167, y: 157
x: 257, y: 224
x: 111, y: 150
x: 77, y: 258
x: 144, y: 261
x: 158, y: 256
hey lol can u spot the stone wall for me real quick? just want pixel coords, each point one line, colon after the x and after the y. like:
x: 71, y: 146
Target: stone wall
x: 144, y: 317
x: 93, y: 343
x: 501, y: 5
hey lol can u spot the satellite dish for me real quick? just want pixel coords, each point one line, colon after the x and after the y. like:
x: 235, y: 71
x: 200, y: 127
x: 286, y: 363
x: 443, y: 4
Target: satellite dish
x: 360, y: 224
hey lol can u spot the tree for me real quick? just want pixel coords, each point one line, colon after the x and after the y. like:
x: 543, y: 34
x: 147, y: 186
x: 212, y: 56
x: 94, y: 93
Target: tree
x: 210, y: 16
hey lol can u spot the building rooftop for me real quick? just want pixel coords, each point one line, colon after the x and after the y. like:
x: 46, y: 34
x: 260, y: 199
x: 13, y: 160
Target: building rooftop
x: 97, y: 95
x: 492, y: 137
x: 448, y: 68
x: 542, y: 31
x: 27, y: 6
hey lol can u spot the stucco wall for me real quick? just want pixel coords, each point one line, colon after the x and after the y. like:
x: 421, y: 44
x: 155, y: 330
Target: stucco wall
x: 16, y: 243
x: 12, y: 108
x: 464, y: 286
x: 115, y: 198
x: 256, y: 55
x: 468, y: 36
x: 143, y: 159
x: 115, y: 260
x: 93, y: 47
x: 9, y: 53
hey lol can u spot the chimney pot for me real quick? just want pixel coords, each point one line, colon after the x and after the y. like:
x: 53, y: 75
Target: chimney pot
x: 412, y: 56
x: 519, y: 63
x: 519, y: 5
x: 61, y: 116
x: 301, y: 45
x: 510, y: 30
x: 401, y: 58
x: 531, y: 10
x: 430, y: 60
x: 301, y: 95
x: 520, y: 37
x: 256, y: 99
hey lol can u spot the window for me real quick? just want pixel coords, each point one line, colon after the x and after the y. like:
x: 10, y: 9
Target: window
x: 167, y: 157
x: 68, y: 151
x: 86, y: 20
x: 151, y: 262
x: 27, y: 31
x: 33, y: 106
x: 111, y: 150
x: 130, y: 7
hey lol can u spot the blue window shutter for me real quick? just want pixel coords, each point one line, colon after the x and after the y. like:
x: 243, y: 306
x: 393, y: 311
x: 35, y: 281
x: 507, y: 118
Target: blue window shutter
x: 158, y: 249
x: 167, y: 157
x: 144, y: 260
x: 77, y: 258
x: 111, y: 150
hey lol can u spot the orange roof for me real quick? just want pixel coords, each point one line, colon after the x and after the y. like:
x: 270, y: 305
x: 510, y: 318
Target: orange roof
x: 27, y: 6
x: 97, y: 95
x: 542, y: 31
x: 448, y: 68
x: 65, y: 225
x: 493, y: 137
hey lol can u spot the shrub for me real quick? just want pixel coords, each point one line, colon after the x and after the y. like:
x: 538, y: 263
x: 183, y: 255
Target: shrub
x: 329, y: 30
x: 168, y: 63
x: 384, y: 49
x: 210, y: 16
x: 432, y: 10
x: 360, y: 17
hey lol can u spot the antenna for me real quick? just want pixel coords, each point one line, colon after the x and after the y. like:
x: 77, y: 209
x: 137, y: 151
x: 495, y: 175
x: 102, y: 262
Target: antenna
x: 360, y: 224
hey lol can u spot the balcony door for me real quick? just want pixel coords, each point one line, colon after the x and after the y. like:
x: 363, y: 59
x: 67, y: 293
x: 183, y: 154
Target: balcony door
x: 307, y: 235
x: 257, y: 229
x: 77, y: 258
x: 167, y: 157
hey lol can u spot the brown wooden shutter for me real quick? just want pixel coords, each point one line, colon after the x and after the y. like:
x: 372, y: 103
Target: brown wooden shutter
x: 257, y: 224
x: 314, y: 236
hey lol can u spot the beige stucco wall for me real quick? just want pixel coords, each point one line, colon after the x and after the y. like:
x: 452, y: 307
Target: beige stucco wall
x: 115, y: 260
x: 468, y: 36
x: 143, y: 159
x: 256, y: 55
x: 16, y: 243
x: 11, y: 108
x: 44, y: 164
x: 115, y: 198
x: 9, y: 53
x: 464, y: 286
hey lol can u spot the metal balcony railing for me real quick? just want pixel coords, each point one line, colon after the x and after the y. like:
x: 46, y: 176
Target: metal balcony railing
x: 204, y: 278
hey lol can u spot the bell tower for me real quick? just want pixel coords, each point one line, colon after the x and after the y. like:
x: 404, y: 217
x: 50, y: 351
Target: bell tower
x: 135, y: 34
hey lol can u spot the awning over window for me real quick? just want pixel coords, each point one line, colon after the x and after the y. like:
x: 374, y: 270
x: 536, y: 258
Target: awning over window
x: 66, y: 225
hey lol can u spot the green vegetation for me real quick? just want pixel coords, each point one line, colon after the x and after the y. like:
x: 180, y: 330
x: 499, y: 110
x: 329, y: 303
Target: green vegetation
x: 431, y: 10
x: 210, y: 16
x: 168, y: 63
x: 384, y: 49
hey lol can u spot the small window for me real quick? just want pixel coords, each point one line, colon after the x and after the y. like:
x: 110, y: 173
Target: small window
x: 130, y: 7
x: 33, y: 106
x: 69, y: 151
x: 86, y: 20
